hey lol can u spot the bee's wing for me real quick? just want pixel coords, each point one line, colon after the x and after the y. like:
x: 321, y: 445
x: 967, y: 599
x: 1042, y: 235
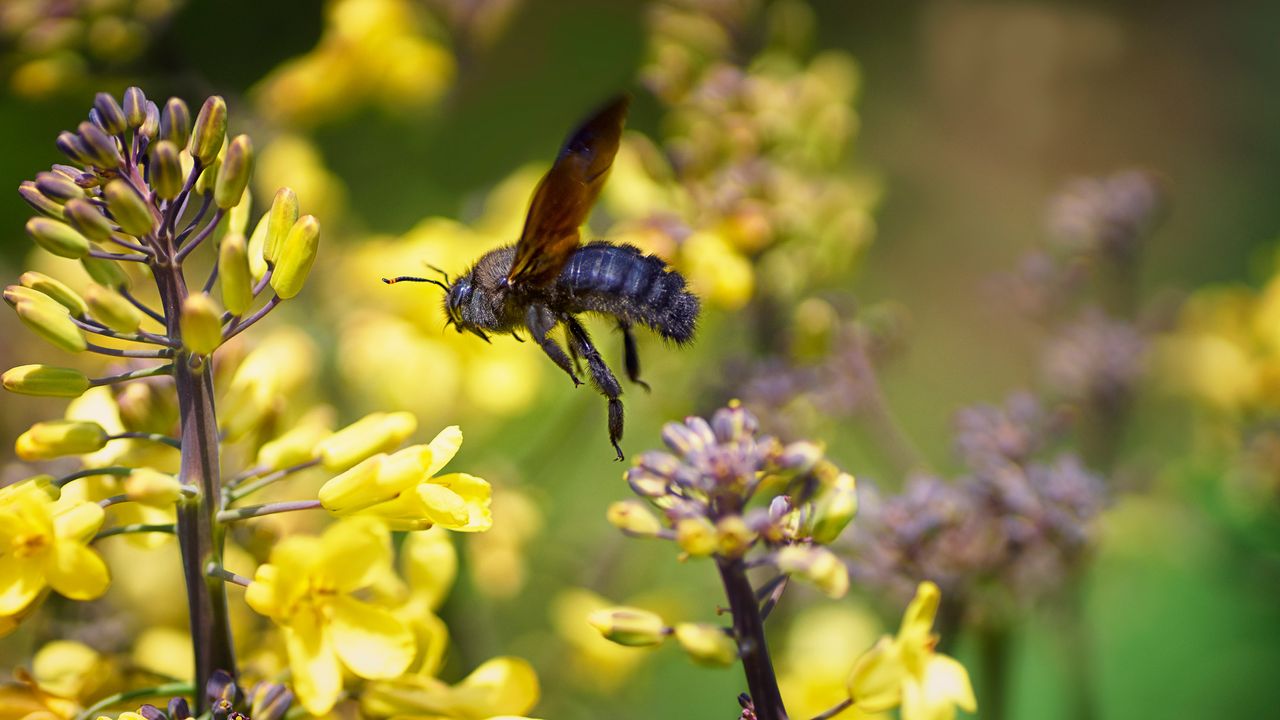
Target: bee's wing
x: 565, y: 195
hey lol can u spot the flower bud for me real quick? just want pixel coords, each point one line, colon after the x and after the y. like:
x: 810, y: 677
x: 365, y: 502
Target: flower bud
x: 63, y: 295
x: 834, y: 508
x: 683, y: 439
x: 17, y: 294
x: 800, y: 457
x: 816, y: 564
x: 296, y: 257
x: 257, y: 241
x: 208, y: 177
x: 633, y: 518
x: 57, y: 187
x: 135, y: 107
x: 629, y: 626
x: 210, y: 130
x: 237, y: 164
x: 201, y: 324
x: 111, y: 309
x: 100, y: 147
x: 368, y: 436
x: 166, y: 170
x: 281, y: 218
x: 646, y: 484
x: 110, y: 113
x: 105, y: 272
x: 233, y: 273
x: 707, y: 644
x: 175, y: 122
x: 38, y: 201
x: 733, y: 537
x: 269, y: 701
x: 73, y: 147
x: 58, y: 238
x: 295, y: 446
x: 238, y: 215
x: 734, y: 422
x: 55, y: 438
x: 354, y: 488
x: 153, y: 488
x: 151, y: 124
x: 696, y: 536
x: 45, y: 380
x: 128, y: 208
x: 53, y: 324
x: 88, y: 219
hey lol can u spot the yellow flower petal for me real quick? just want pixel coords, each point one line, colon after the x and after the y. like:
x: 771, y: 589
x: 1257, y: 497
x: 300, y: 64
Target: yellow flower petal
x: 79, y: 522
x: 443, y: 447
x: 501, y: 686
x: 946, y: 680
x: 476, y: 494
x: 77, y: 572
x: 354, y: 551
x: 875, y: 684
x: 21, y: 580
x: 263, y: 594
x: 317, y: 676
x: 369, y: 640
x: 917, y: 621
x: 430, y: 564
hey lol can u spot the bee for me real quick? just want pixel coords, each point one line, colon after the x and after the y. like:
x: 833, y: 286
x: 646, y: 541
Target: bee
x: 548, y: 279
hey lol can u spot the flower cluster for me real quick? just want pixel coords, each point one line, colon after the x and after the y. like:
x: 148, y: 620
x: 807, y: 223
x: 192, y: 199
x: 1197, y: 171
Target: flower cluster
x: 184, y: 420
x: 710, y: 497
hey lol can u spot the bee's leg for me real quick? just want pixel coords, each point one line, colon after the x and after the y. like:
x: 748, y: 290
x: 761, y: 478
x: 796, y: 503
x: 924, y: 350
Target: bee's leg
x: 573, y: 350
x: 601, y: 376
x: 539, y: 320
x: 631, y: 355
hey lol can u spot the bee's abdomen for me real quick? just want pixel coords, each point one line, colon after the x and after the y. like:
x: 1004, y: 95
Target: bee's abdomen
x: 622, y: 280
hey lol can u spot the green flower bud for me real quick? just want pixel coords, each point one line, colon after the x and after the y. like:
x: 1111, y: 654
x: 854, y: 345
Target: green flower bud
x: 175, y: 122
x: 733, y: 537
x: 281, y: 218
x: 816, y: 564
x: 111, y: 309
x: 364, y: 438
x: 17, y: 294
x: 257, y: 242
x: 73, y: 147
x: 58, y: 187
x: 152, y: 488
x: 45, y: 380
x: 37, y: 200
x: 58, y: 238
x: 100, y: 147
x: 233, y: 272
x: 110, y: 113
x: 800, y: 457
x: 166, y: 170
x: 55, y: 438
x: 834, y: 508
x: 53, y: 324
x: 88, y: 219
x: 696, y: 536
x: 629, y: 626
x: 128, y: 208
x: 201, y: 324
x: 296, y: 257
x: 151, y: 124
x: 105, y: 272
x: 210, y: 130
x: 238, y: 215
x: 237, y: 164
x: 209, y: 177
x: 60, y: 293
x: 633, y: 518
x: 135, y: 107
x: 707, y: 644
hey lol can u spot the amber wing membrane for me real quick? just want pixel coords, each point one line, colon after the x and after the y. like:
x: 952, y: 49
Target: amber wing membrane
x: 565, y: 195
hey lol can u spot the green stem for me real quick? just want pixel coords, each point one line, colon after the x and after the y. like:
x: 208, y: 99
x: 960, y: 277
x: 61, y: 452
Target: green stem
x: 266, y: 480
x: 249, y: 511
x: 165, y: 691
x: 136, y: 528
x: 133, y: 375
x: 93, y: 472
x: 993, y: 673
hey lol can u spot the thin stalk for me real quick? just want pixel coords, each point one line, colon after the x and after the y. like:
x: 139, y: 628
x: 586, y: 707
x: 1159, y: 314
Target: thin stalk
x: 116, y: 352
x: 153, y: 437
x: 200, y: 237
x: 217, y: 571
x: 159, y: 691
x: 139, y: 337
x: 251, y: 511
x: 748, y: 628
x: 135, y: 528
x: 133, y: 375
x: 141, y: 306
x: 832, y: 712
x: 93, y: 472
x: 130, y: 257
x: 266, y: 480
x: 255, y: 317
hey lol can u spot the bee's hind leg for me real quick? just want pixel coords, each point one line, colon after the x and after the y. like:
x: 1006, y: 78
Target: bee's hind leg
x: 631, y: 355
x: 540, y: 321
x: 601, y: 376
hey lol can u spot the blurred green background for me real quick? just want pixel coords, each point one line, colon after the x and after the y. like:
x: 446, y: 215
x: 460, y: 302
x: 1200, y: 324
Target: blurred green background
x: 972, y: 115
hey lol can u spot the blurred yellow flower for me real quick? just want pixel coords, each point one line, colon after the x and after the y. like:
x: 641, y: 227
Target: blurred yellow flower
x: 821, y: 645
x: 44, y: 542
x: 501, y: 687
x: 404, y: 490
x: 308, y: 588
x: 73, y: 670
x: 597, y: 662
x: 904, y: 670
x: 496, y: 559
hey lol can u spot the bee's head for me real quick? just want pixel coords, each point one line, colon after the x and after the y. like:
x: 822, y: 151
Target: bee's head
x: 456, y: 297
x: 461, y: 309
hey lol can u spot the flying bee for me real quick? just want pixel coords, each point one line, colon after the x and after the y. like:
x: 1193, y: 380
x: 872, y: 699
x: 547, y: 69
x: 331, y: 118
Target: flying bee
x: 548, y: 279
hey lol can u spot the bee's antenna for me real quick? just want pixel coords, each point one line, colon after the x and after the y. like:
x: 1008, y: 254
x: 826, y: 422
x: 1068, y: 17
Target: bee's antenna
x: 409, y: 278
x: 443, y: 274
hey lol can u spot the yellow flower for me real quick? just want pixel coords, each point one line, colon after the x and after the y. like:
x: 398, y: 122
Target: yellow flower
x: 501, y: 687
x: 308, y: 589
x: 904, y: 670
x: 45, y: 543
x: 404, y: 490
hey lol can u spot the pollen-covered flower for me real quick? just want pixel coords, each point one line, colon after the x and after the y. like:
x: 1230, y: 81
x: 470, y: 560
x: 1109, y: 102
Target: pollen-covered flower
x: 308, y: 589
x: 404, y: 489
x: 44, y: 544
x: 904, y: 669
